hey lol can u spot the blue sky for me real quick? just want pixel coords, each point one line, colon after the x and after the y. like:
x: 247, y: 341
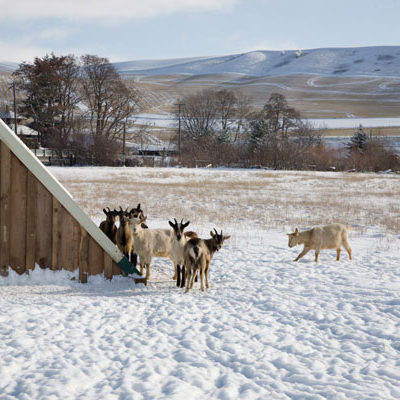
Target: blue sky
x: 125, y: 30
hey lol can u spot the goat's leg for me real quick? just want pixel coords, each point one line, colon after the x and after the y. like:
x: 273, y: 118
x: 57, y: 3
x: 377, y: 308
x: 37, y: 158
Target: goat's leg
x: 148, y: 271
x: 348, y: 248
x: 194, y: 272
x: 134, y: 259
x: 303, y: 253
x: 202, y: 278
x: 183, y: 276
x: 206, y: 273
x: 175, y: 272
x: 338, y: 254
x: 188, y: 278
x: 178, y: 275
x: 316, y: 255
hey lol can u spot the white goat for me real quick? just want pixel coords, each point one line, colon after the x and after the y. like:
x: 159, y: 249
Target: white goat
x: 333, y: 236
x: 198, y: 254
x: 149, y: 243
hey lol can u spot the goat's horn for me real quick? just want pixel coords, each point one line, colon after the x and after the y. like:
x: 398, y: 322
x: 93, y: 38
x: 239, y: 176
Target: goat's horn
x: 215, y: 231
x: 176, y: 222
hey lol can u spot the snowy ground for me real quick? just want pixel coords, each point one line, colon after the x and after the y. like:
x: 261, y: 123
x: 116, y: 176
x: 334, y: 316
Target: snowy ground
x: 268, y: 328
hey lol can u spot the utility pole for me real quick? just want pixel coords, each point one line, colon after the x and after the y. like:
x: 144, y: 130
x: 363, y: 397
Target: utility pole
x: 180, y: 105
x: 123, y: 145
x: 14, y: 105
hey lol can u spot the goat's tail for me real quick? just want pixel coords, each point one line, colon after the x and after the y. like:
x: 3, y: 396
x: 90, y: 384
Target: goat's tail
x: 195, y: 256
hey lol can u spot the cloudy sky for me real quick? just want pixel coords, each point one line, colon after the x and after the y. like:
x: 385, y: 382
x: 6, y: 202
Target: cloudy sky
x: 124, y: 30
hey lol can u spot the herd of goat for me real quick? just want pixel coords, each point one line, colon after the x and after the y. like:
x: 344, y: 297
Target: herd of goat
x: 192, y: 255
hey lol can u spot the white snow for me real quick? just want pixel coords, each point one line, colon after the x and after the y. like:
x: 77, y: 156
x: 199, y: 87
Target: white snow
x: 268, y: 328
x: 348, y: 123
x: 357, y: 61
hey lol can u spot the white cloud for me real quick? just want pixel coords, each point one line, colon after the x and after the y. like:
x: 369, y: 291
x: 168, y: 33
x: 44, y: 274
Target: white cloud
x: 267, y: 45
x: 105, y: 9
x: 54, y: 33
x: 19, y: 52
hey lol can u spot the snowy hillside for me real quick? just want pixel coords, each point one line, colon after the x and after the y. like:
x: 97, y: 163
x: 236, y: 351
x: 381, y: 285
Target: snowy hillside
x: 8, y: 66
x: 375, y: 61
x: 267, y: 329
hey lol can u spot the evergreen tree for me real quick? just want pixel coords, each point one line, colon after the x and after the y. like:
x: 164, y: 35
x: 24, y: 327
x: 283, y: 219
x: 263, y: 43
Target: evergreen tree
x: 358, y: 141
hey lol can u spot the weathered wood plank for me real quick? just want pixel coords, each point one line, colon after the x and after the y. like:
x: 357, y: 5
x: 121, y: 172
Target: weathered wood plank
x: 18, y: 215
x: 96, y: 258
x: 5, y: 180
x: 30, y: 222
x: 108, y: 266
x: 76, y: 243
x: 55, y: 234
x: 44, y: 215
x: 68, y: 244
x: 83, y: 256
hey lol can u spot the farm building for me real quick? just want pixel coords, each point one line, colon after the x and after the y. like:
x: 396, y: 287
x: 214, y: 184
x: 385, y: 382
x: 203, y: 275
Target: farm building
x: 40, y: 224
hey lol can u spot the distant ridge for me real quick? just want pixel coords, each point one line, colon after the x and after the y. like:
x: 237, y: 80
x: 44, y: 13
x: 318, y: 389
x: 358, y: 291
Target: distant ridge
x: 357, y: 61
x: 380, y: 61
x: 8, y: 66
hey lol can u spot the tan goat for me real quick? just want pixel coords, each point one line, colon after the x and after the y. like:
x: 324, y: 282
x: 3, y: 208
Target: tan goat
x: 108, y: 225
x: 198, y: 254
x: 333, y: 236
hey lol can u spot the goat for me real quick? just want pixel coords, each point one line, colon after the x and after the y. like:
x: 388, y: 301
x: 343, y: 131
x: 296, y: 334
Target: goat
x: 333, y: 236
x: 124, y: 238
x: 180, y: 239
x: 197, y: 256
x: 108, y: 225
x: 149, y: 243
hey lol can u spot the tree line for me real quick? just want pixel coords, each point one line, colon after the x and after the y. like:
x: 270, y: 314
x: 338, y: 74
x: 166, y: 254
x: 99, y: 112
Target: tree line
x: 218, y: 127
x: 73, y: 103
x: 82, y: 104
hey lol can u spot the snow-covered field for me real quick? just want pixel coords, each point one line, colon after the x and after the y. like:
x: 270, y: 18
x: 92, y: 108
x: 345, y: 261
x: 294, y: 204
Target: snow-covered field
x: 268, y: 328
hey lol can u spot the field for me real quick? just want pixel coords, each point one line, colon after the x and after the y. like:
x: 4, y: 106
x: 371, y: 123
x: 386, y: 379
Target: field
x: 314, y: 96
x: 268, y: 328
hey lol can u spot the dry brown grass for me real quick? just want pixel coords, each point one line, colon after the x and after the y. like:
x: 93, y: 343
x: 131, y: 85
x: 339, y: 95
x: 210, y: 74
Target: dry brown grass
x: 313, y: 96
x: 264, y: 199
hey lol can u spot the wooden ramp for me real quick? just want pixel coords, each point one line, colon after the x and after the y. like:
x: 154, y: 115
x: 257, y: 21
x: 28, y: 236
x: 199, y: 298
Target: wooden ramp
x: 40, y: 222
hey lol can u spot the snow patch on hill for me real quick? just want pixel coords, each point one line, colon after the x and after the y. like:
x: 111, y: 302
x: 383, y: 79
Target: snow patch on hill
x: 375, y: 61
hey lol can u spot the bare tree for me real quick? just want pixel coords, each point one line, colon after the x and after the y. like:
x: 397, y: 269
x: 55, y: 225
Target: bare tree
x: 278, y: 137
x: 51, y: 96
x: 109, y: 101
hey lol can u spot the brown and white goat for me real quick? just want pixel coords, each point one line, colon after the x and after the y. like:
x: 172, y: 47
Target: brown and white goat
x: 333, y: 236
x: 180, y: 239
x: 197, y: 256
x: 108, y: 225
x: 124, y: 233
x: 124, y: 237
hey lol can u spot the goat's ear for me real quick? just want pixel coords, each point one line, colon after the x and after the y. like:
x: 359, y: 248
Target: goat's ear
x: 138, y: 207
x: 144, y: 226
x: 212, y: 234
x: 185, y: 225
x: 227, y: 237
x: 171, y: 224
x: 104, y: 211
x: 296, y: 232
